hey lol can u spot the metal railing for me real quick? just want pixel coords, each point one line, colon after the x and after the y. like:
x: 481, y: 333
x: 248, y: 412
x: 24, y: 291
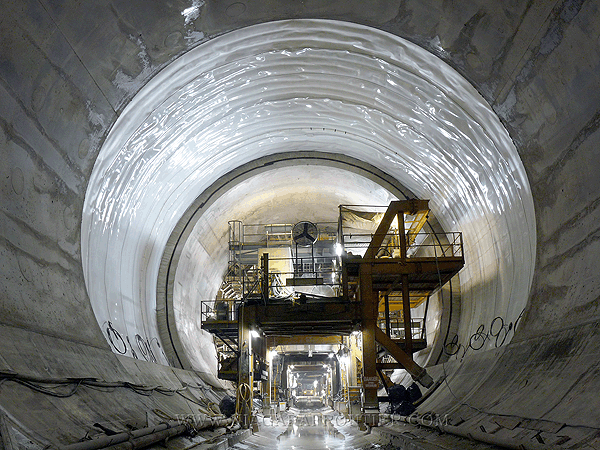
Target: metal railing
x: 397, y: 330
x: 321, y: 275
x: 225, y: 310
x: 267, y: 234
x: 424, y: 245
x: 272, y: 234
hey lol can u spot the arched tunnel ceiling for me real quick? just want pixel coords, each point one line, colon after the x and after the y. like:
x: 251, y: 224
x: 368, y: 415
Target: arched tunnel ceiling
x: 302, y: 86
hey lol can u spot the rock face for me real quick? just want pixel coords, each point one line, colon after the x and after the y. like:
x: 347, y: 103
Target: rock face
x: 69, y: 69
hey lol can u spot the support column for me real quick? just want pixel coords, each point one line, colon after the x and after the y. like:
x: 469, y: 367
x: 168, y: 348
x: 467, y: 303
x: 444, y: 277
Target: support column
x: 265, y: 277
x: 407, y: 317
x: 418, y: 373
x: 386, y: 299
x: 370, y: 381
x: 245, y: 375
x: 405, y: 291
x: 402, y: 236
x: 259, y: 357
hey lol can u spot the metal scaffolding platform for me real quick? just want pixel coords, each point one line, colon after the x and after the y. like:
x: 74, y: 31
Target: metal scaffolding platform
x: 394, y: 261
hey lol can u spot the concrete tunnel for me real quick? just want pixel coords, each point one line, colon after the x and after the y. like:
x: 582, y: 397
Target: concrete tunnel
x: 131, y: 133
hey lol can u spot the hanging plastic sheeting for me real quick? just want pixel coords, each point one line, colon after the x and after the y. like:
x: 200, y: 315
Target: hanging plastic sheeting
x: 365, y: 221
x: 358, y: 225
x: 304, y: 85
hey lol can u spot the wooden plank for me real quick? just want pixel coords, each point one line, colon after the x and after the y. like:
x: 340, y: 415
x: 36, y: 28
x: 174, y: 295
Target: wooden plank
x: 304, y: 281
x: 274, y: 341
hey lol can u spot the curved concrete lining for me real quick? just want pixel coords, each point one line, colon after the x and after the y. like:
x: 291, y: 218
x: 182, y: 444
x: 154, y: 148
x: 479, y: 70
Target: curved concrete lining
x: 305, y: 85
x: 193, y: 234
x: 282, y: 195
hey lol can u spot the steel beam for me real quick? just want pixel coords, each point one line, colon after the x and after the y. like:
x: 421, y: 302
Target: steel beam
x: 406, y: 316
x: 382, y: 230
x: 370, y: 312
x: 386, y: 300
x: 389, y: 366
x: 415, y: 265
x: 417, y: 372
x: 396, y: 207
x: 311, y: 318
x: 402, y: 236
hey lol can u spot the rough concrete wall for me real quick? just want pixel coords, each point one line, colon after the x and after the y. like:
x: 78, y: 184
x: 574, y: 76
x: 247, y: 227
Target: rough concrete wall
x: 59, y: 419
x: 537, y: 65
x: 553, y: 112
x: 67, y: 68
x: 46, y: 126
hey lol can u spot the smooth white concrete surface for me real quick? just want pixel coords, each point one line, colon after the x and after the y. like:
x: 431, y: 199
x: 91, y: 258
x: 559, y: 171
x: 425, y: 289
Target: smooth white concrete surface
x: 296, y: 86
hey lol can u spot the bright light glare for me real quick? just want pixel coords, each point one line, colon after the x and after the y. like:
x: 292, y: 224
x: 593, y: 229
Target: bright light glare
x: 345, y: 361
x: 339, y: 250
x: 254, y: 333
x: 272, y: 354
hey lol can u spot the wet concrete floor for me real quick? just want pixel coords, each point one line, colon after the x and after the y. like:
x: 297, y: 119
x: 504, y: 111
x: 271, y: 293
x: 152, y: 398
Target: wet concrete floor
x: 308, y: 430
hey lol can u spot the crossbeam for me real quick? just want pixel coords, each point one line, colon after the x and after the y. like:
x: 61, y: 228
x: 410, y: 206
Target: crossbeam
x: 395, y: 208
x: 418, y: 372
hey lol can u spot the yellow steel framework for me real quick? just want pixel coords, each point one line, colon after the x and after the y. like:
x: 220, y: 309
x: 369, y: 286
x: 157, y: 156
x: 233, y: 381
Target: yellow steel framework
x: 386, y: 270
x: 378, y: 287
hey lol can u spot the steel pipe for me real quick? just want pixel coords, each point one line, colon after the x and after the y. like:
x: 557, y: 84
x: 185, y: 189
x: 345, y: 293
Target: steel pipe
x: 146, y: 436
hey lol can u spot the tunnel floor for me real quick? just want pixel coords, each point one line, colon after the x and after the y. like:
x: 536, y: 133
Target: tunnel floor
x: 308, y: 430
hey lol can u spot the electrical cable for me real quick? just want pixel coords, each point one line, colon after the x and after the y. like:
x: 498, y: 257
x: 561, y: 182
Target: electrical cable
x: 244, y: 398
x: 46, y: 386
x: 199, y: 403
x: 163, y: 415
x: 214, y: 408
x: 47, y: 391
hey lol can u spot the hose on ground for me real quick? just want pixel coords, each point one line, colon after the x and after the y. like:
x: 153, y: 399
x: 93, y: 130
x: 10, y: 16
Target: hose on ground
x: 243, y: 408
